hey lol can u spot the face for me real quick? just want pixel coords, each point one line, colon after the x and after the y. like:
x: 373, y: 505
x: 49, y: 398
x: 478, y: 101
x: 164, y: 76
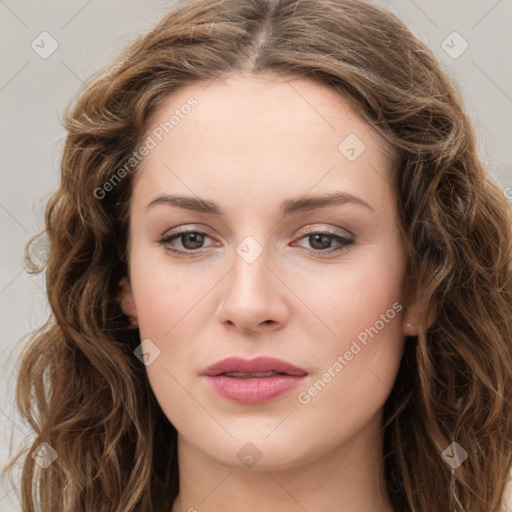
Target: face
x: 285, y: 245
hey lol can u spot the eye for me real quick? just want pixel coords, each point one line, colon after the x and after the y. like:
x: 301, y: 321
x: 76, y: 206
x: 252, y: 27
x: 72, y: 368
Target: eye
x: 192, y: 241
x: 189, y: 239
x: 321, y: 241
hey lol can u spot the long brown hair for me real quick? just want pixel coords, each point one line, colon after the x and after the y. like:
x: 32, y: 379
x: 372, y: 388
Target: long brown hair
x: 83, y: 391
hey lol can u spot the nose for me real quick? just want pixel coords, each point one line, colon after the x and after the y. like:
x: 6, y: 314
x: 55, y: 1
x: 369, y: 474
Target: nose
x: 253, y: 299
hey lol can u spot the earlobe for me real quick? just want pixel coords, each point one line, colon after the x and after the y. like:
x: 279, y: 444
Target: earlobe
x: 126, y: 301
x: 411, y: 320
x: 410, y: 329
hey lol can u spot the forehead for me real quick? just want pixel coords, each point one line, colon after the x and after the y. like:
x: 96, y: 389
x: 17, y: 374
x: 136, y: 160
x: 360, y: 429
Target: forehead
x: 261, y: 134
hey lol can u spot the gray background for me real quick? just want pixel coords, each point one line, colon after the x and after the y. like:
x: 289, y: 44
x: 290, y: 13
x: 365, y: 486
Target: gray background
x: 90, y: 33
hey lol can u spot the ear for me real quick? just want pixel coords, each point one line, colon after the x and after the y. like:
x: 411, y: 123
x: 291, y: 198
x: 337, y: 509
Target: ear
x: 126, y: 299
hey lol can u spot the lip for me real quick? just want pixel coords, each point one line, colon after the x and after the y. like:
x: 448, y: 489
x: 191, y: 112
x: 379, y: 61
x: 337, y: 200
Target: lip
x: 253, y: 390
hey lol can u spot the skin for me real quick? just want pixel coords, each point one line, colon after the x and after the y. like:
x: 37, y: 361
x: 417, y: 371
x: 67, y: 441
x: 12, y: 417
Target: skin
x: 251, y: 143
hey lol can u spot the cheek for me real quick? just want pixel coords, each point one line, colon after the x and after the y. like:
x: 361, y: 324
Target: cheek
x: 362, y: 305
x: 357, y: 366
x: 165, y: 292
x: 169, y: 311
x: 172, y: 307
x: 351, y: 297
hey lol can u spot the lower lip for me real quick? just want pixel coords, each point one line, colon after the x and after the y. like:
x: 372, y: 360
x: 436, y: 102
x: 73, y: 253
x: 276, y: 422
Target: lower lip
x: 257, y: 390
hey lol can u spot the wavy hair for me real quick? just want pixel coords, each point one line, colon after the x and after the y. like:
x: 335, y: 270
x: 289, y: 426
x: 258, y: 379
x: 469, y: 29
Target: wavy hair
x: 81, y: 389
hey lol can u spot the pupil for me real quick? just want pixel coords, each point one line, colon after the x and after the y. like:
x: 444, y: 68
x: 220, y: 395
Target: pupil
x: 320, y: 236
x: 196, y: 240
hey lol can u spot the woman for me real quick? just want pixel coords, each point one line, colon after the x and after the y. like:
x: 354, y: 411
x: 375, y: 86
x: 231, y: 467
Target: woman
x: 280, y: 277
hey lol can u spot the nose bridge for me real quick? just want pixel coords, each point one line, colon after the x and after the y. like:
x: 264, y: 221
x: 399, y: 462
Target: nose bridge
x: 250, y: 272
x: 251, y: 298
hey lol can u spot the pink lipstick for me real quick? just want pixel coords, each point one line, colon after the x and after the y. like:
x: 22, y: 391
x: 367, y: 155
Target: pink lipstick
x: 253, y: 382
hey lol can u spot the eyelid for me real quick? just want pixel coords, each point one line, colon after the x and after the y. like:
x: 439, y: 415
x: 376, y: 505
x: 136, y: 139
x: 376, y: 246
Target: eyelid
x: 187, y: 228
x: 331, y: 231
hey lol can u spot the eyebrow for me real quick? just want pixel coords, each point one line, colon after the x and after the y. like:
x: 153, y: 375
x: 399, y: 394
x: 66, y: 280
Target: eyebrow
x: 288, y: 207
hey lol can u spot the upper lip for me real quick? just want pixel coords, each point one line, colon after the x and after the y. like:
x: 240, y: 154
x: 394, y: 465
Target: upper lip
x: 257, y: 365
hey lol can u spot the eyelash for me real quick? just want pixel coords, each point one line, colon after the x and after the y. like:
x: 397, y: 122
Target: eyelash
x: 344, y: 241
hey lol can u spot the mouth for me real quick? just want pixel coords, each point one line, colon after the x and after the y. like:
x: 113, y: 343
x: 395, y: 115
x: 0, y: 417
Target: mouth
x: 253, y: 382
x: 259, y: 367
x: 241, y: 375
